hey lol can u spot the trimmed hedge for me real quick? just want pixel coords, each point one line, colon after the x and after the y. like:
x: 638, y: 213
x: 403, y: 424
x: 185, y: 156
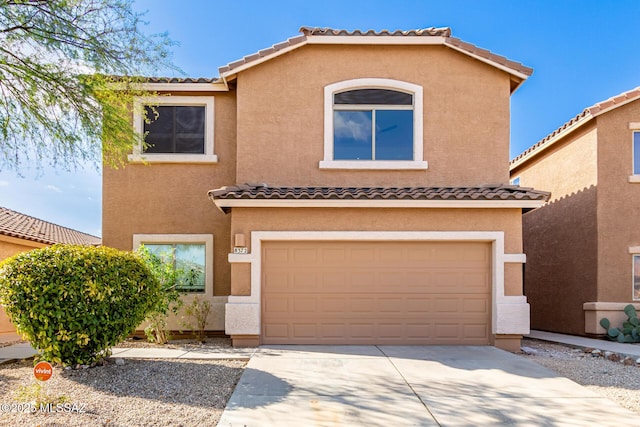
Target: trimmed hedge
x: 75, y: 302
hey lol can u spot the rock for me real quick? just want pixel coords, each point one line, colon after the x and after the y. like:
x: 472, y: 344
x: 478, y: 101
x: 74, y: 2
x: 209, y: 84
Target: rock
x: 614, y: 357
x: 528, y: 350
x: 596, y: 352
x: 638, y: 361
x: 588, y: 350
x: 607, y: 354
x: 628, y: 361
x: 119, y: 362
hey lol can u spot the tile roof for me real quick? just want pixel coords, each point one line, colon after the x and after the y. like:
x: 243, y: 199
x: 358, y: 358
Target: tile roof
x: 444, y: 32
x: 181, y: 80
x: 21, y: 226
x: 577, y: 121
x: 487, y: 192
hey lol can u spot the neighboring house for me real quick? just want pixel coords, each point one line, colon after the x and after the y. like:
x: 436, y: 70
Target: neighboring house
x: 362, y: 187
x: 20, y: 233
x: 583, y: 247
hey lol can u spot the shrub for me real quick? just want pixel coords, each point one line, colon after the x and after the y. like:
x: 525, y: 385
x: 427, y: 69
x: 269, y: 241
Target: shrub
x: 170, y: 277
x: 630, y: 331
x: 75, y: 302
x: 196, y: 315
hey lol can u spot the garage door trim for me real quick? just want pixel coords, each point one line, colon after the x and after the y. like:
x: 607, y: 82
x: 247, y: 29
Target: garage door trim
x: 509, y: 314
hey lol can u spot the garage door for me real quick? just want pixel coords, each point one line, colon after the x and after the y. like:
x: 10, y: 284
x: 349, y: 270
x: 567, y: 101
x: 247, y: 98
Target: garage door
x: 376, y: 292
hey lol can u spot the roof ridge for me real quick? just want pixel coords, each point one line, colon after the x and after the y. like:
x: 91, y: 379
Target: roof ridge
x: 420, y: 32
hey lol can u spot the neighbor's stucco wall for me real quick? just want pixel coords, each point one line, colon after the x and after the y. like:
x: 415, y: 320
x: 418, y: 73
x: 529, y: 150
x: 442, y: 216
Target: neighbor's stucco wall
x: 172, y: 198
x: 281, y: 115
x: 246, y: 220
x: 618, y: 204
x: 560, y: 238
x: 10, y: 246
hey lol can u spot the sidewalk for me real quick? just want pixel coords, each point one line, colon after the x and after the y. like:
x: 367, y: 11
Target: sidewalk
x: 631, y: 350
x: 24, y: 351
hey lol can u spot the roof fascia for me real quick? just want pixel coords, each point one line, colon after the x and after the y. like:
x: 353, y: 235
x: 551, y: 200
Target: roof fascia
x: 375, y: 40
x: 333, y: 203
x: 185, y: 87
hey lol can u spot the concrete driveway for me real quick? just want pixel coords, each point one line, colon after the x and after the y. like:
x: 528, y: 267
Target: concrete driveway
x: 410, y: 386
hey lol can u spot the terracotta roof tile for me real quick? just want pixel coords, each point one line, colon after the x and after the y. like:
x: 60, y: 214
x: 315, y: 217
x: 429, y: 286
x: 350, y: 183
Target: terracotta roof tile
x: 586, y: 115
x: 488, y: 192
x: 431, y: 31
x: 21, y: 226
x: 181, y: 80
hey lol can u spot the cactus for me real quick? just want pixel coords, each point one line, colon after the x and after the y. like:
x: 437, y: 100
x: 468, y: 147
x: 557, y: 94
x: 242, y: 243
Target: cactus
x: 630, y: 331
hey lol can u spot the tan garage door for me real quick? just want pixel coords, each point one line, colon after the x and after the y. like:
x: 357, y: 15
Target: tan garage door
x: 376, y: 292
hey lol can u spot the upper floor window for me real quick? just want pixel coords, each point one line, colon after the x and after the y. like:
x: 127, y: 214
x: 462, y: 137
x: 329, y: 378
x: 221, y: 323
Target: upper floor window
x: 373, y: 124
x: 636, y: 153
x: 176, y: 129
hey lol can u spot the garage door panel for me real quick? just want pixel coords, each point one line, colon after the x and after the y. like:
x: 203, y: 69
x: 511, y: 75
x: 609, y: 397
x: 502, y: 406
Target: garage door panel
x: 376, y: 293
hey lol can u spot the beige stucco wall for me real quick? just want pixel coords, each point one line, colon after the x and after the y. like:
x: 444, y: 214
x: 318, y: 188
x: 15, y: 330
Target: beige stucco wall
x: 281, y: 115
x: 618, y: 207
x: 246, y: 220
x: 560, y: 238
x: 172, y: 199
x: 10, y: 246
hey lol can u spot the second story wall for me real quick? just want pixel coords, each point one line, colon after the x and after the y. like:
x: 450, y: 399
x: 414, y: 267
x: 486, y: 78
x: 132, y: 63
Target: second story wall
x: 281, y: 109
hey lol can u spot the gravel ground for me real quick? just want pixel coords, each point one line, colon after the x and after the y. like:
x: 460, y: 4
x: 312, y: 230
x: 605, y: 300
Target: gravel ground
x: 138, y: 393
x: 613, y: 380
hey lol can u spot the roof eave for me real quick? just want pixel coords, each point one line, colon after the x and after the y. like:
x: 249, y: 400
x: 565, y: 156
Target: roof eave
x: 225, y: 204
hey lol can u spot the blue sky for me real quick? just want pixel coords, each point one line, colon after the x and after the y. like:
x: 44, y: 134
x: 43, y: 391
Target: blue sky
x: 582, y: 52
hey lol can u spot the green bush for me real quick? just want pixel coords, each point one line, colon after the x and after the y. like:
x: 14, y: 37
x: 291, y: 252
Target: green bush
x: 75, y: 302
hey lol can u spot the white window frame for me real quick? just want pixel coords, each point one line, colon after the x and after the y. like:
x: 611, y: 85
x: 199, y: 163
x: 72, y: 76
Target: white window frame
x: 173, y: 239
x: 209, y: 155
x: 417, y: 163
x: 515, y: 181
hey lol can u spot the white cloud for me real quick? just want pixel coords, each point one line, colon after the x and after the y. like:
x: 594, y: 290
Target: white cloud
x: 53, y: 188
x: 4, y: 183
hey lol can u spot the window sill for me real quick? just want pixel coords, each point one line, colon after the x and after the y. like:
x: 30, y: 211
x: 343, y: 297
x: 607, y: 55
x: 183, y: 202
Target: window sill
x: 374, y: 164
x: 173, y: 158
x: 634, y: 179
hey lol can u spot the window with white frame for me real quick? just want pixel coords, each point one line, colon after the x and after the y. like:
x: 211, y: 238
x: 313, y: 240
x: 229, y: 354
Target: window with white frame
x: 175, y: 128
x: 636, y: 153
x: 191, y: 254
x: 636, y: 277
x: 373, y: 124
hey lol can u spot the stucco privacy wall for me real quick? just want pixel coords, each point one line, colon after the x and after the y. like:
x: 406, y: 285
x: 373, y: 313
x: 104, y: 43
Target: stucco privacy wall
x: 465, y: 117
x: 560, y: 238
x: 501, y: 226
x: 158, y: 198
x: 10, y: 246
x: 618, y: 207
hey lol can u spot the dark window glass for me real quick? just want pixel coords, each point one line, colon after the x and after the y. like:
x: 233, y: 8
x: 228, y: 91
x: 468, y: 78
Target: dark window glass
x: 373, y: 96
x: 394, y: 135
x: 175, y: 129
x: 352, y: 135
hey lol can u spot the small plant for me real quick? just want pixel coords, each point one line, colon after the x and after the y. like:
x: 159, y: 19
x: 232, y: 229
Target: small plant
x: 630, y: 331
x: 73, y: 303
x: 36, y: 393
x: 196, y: 317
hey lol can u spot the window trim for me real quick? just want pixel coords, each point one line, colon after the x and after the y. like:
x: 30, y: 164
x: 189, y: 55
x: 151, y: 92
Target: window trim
x: 374, y: 83
x: 209, y: 155
x: 172, y: 239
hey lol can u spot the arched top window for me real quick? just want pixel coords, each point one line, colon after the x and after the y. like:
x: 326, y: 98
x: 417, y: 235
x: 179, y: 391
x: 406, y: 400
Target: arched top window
x: 373, y: 124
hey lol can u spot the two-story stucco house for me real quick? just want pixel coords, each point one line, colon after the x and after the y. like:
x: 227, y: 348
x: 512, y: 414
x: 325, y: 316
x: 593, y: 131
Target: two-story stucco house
x: 360, y: 189
x: 583, y: 247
